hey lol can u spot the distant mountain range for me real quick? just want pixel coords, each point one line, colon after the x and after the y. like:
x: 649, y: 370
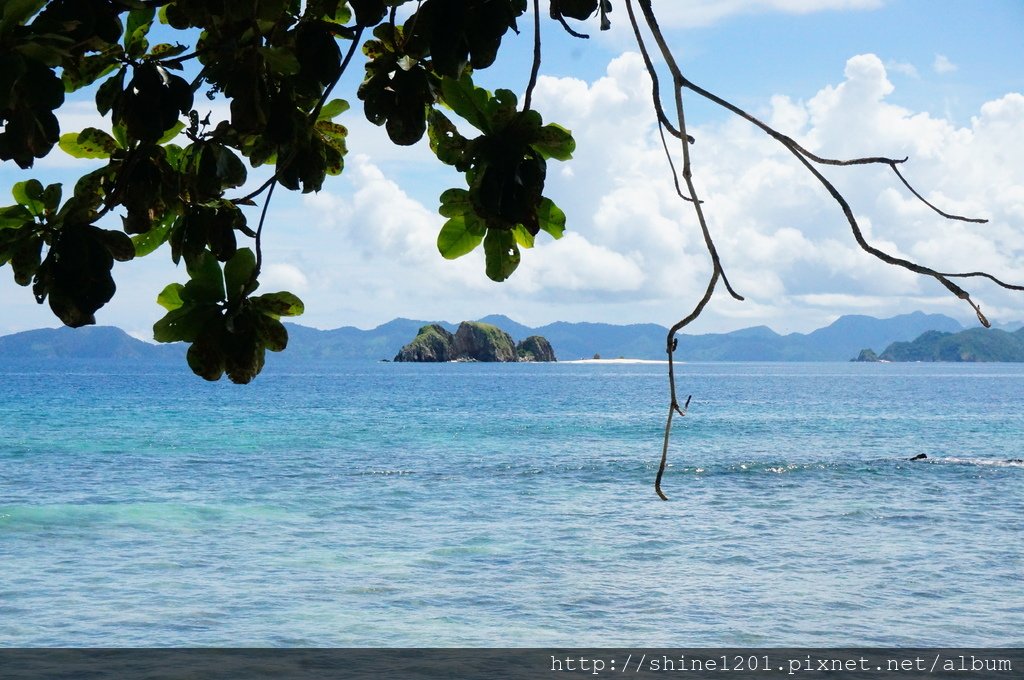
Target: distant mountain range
x: 839, y: 341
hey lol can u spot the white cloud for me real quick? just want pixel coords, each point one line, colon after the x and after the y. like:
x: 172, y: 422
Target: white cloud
x: 903, y: 67
x: 784, y: 243
x: 364, y: 250
x: 281, y: 275
x: 942, y: 65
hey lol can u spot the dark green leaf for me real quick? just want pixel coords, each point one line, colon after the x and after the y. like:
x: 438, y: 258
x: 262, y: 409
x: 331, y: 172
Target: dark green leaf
x: 139, y: 22
x: 278, y: 304
x: 238, y: 274
x: 89, y: 143
x: 30, y: 194
x: 271, y: 332
x: 502, y: 254
x: 117, y: 243
x: 446, y: 142
x: 283, y: 61
x: 108, y: 92
x: 206, y: 359
x: 554, y: 141
x: 185, y: 323
x: 206, y: 283
x: 16, y: 12
x: 455, y: 202
x: 468, y: 101
x: 166, y: 50
x: 14, y: 216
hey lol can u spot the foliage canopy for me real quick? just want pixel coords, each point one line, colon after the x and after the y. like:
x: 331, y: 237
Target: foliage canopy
x: 168, y: 174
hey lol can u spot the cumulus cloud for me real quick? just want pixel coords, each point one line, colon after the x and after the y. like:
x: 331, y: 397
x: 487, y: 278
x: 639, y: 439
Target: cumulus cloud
x: 633, y: 250
x: 364, y: 250
x: 785, y: 244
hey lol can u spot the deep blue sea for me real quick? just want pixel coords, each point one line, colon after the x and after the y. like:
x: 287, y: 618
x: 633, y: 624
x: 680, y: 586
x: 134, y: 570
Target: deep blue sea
x: 512, y: 505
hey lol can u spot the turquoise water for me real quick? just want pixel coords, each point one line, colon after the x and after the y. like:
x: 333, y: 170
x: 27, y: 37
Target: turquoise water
x: 512, y: 505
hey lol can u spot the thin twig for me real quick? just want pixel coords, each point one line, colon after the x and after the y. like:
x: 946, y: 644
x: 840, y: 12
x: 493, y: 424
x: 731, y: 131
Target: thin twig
x: 259, y: 238
x: 659, y: 38
x: 947, y: 215
x: 568, y: 28
x: 653, y: 72
x: 671, y: 163
x: 536, y: 56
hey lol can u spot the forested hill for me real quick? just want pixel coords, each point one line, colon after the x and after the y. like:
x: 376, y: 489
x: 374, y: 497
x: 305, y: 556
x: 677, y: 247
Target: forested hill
x: 974, y: 344
x: 309, y: 346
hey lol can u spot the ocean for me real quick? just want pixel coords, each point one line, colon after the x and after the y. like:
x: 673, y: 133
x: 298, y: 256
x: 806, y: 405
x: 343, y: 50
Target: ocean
x: 512, y: 505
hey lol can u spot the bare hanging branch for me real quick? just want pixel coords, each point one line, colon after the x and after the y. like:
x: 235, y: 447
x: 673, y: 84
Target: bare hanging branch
x: 947, y: 215
x: 527, y: 100
x: 807, y: 158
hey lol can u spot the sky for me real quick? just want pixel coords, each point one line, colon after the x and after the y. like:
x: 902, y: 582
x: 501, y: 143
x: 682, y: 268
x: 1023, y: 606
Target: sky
x: 939, y: 81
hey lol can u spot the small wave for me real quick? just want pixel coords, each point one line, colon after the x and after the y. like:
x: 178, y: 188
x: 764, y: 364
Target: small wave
x: 983, y: 462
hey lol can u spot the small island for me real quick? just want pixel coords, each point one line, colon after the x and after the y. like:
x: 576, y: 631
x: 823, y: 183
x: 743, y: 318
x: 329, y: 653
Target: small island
x: 972, y: 345
x: 474, y: 341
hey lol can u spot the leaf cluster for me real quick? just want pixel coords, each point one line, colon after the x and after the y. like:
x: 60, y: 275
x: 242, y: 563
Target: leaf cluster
x: 167, y: 172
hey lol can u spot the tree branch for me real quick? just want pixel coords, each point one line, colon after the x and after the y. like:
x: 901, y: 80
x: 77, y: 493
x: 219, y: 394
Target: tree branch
x: 527, y: 100
x: 807, y: 158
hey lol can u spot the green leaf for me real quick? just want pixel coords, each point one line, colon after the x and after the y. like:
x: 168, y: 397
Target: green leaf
x: 455, y: 202
x: 550, y: 218
x: 502, y: 254
x: 172, y: 132
x: 17, y: 12
x: 460, y: 235
x: 283, y: 61
x: 166, y: 50
x: 89, y: 143
x: 238, y: 274
x: 139, y: 22
x: 445, y: 140
x: 206, y: 282
x: 554, y: 141
x: 278, y: 304
x: 271, y: 332
x: 332, y: 109
x: 185, y: 323
x: 154, y: 238
x: 523, y: 237
x: 120, y: 134
x: 30, y: 194
x: 117, y: 243
x: 206, y: 360
x: 170, y: 297
x: 25, y: 257
x: 14, y: 216
x: 108, y: 93
x: 51, y: 197
x: 468, y: 101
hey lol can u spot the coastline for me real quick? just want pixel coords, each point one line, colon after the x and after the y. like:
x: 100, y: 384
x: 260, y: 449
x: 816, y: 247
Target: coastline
x: 616, y: 361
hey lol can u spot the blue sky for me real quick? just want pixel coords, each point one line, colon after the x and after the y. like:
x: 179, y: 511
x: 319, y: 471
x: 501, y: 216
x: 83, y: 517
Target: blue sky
x: 940, y: 81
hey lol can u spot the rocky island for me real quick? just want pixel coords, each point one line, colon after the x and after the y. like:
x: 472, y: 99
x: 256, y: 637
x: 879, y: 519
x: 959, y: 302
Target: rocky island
x: 473, y: 341
x: 973, y: 345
